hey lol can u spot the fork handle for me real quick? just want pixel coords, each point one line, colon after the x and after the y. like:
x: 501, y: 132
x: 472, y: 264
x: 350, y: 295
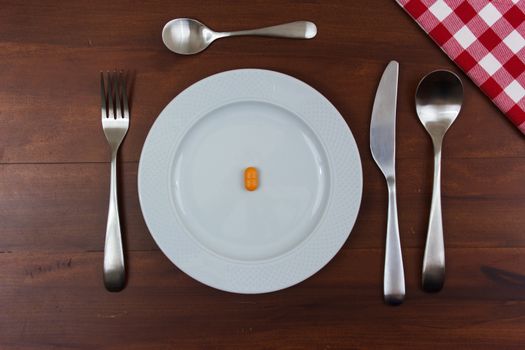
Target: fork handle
x: 114, y: 270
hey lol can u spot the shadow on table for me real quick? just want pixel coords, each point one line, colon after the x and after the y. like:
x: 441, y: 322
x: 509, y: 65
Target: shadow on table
x: 503, y: 276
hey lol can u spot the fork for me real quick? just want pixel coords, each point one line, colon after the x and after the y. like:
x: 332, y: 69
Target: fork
x: 115, y: 123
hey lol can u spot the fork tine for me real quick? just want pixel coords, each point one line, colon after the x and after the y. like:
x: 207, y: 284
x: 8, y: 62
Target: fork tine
x: 111, y: 110
x: 124, y: 89
x: 118, y: 99
x: 103, y: 97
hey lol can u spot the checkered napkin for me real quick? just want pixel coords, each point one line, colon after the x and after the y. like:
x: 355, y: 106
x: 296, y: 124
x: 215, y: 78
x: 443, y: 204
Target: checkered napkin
x: 486, y: 40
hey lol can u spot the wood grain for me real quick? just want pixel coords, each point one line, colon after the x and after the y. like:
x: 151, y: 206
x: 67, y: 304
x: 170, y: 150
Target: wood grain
x: 54, y: 179
x: 337, y: 308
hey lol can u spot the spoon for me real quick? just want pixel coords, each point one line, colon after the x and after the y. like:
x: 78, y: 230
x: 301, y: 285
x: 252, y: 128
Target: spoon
x: 188, y: 36
x: 439, y: 97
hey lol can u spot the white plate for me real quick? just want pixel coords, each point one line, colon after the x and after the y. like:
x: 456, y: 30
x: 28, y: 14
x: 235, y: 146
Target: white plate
x: 191, y: 185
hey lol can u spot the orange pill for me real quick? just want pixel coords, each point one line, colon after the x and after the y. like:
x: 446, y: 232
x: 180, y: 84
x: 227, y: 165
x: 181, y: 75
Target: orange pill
x: 251, y: 179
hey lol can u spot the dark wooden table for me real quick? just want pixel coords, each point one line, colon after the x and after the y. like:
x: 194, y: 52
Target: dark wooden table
x: 54, y: 182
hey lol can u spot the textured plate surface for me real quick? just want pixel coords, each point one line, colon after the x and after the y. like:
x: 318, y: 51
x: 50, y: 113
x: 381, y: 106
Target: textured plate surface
x: 191, y: 187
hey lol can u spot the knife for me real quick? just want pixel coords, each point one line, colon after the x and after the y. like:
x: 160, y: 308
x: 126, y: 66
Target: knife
x: 383, y: 147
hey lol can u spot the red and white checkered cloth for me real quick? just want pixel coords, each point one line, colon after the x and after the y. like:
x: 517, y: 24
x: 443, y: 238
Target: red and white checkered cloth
x: 486, y: 40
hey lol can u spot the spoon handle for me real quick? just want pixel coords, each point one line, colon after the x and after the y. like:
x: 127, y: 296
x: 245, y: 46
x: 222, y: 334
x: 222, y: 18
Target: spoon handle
x: 394, y: 275
x: 434, y: 258
x: 294, y: 30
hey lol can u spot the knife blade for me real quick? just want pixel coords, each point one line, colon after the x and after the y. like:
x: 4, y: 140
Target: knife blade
x: 383, y: 124
x: 383, y: 147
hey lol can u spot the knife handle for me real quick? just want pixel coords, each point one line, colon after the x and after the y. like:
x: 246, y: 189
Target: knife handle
x: 394, y: 278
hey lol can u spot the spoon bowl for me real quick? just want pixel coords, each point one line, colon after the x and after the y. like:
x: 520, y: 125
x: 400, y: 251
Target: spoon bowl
x: 187, y: 36
x: 439, y: 97
x: 438, y: 101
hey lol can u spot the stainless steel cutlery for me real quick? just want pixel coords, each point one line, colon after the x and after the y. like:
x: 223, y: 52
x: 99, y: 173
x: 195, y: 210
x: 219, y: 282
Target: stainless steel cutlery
x: 383, y: 147
x: 187, y: 36
x: 115, y: 123
x: 439, y: 97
